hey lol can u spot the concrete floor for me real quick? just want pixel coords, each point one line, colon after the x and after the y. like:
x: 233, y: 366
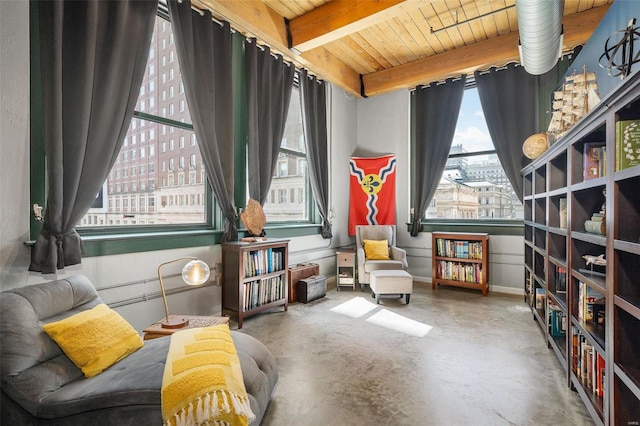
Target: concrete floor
x: 483, y: 361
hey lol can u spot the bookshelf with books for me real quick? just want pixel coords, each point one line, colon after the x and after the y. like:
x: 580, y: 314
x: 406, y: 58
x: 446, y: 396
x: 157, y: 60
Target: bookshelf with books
x: 461, y: 260
x: 586, y: 271
x: 254, y: 277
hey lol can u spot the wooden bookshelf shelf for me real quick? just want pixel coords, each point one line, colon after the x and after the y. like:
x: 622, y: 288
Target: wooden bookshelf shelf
x: 254, y: 277
x: 597, y: 343
x: 461, y: 260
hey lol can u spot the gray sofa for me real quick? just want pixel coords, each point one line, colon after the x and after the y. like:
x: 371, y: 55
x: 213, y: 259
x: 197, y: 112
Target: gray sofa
x: 41, y: 386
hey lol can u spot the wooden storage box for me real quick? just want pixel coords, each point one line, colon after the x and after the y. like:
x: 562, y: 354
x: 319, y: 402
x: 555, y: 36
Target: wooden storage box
x: 298, y: 272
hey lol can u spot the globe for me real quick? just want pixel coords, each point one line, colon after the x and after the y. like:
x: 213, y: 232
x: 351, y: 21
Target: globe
x: 535, y: 145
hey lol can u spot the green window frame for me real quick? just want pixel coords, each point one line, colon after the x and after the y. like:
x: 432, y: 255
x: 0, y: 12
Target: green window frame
x: 101, y: 241
x: 492, y: 226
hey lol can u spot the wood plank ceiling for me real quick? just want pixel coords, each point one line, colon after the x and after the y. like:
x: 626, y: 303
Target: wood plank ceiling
x: 370, y: 47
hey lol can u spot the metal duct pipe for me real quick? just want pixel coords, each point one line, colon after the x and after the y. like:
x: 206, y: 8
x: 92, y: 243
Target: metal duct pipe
x: 540, y: 27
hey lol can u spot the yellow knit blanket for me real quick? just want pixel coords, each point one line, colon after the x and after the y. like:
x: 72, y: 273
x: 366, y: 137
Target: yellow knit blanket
x: 202, y: 382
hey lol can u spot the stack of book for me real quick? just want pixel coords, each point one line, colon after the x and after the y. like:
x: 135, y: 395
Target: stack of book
x: 596, y: 225
x: 557, y: 320
x: 594, y: 156
x: 591, y: 305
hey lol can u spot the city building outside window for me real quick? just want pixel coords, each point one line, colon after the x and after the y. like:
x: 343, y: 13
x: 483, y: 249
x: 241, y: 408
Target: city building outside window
x: 290, y: 176
x: 473, y: 184
x: 150, y: 114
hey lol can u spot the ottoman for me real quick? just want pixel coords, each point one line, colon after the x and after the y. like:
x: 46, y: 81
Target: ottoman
x: 391, y: 281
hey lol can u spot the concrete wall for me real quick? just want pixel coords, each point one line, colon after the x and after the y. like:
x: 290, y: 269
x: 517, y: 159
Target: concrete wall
x: 358, y: 127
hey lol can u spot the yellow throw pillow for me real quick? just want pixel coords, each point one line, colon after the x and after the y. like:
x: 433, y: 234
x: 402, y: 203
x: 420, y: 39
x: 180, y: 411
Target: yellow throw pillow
x: 376, y: 249
x: 94, y: 339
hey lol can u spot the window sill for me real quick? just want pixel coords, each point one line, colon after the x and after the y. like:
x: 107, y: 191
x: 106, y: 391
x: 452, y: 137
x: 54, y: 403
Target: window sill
x: 493, y: 227
x: 119, y: 242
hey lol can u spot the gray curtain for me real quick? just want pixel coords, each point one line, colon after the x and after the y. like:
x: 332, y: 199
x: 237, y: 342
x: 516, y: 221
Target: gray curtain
x: 313, y: 98
x: 509, y: 99
x: 93, y: 56
x: 436, y: 108
x: 204, y: 53
x: 517, y: 112
x: 269, y: 85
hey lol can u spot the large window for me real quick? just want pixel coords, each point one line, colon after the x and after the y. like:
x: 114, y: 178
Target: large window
x: 473, y: 184
x: 158, y: 182
x: 290, y: 176
x: 140, y: 171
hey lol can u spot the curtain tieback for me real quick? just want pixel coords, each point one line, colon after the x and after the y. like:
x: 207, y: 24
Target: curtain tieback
x: 59, y: 243
x: 59, y: 235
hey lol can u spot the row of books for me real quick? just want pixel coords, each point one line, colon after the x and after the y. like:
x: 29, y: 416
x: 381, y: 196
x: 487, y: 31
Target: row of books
x: 459, y: 249
x: 588, y: 364
x: 261, y: 292
x: 590, y: 305
x: 557, y: 320
x: 465, y: 272
x: 261, y: 262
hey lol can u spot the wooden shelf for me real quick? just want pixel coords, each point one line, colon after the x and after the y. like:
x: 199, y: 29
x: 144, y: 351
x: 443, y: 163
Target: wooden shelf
x: 255, y: 277
x: 461, y: 260
x: 613, y: 336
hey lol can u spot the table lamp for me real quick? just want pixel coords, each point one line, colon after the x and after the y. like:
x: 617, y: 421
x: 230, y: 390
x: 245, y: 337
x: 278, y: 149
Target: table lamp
x: 195, y: 272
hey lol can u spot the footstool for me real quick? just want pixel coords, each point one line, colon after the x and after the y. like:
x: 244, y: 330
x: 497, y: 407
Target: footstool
x: 391, y: 281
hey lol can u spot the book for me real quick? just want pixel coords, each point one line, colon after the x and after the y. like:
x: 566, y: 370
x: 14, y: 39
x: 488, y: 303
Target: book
x: 600, y: 383
x: 591, y: 160
x: 627, y: 144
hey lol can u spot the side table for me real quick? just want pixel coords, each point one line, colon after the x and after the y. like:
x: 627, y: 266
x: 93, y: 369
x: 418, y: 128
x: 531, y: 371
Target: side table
x: 156, y: 330
x: 346, y: 268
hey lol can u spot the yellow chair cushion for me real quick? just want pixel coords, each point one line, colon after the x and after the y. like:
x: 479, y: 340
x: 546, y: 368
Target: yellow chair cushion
x: 376, y: 249
x: 94, y: 339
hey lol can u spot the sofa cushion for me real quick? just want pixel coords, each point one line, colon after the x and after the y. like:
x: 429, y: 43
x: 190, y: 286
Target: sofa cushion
x: 376, y: 249
x: 23, y: 311
x: 376, y: 265
x: 94, y: 339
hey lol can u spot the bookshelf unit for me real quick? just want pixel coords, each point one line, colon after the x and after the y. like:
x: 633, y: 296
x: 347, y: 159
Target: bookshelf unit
x: 254, y: 277
x: 589, y: 313
x: 461, y: 260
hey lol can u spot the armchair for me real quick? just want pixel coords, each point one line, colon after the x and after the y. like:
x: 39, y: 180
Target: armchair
x: 397, y: 256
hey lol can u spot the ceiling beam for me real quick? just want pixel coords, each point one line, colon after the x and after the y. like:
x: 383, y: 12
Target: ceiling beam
x: 503, y: 49
x: 256, y: 19
x: 339, y: 18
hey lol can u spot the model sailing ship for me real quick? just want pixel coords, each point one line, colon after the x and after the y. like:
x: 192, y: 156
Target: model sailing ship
x: 578, y: 96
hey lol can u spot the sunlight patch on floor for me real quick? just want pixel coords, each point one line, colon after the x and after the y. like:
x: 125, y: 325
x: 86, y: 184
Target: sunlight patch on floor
x: 355, y: 308
x: 397, y: 322
x: 359, y: 306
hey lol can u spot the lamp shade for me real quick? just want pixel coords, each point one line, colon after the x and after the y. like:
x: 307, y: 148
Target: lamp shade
x: 195, y: 272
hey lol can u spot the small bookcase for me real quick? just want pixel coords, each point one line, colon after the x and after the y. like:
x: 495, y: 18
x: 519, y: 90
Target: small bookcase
x: 461, y: 260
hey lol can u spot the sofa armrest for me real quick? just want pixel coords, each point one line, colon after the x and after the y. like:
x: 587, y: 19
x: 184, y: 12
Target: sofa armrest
x: 360, y: 259
x: 396, y: 253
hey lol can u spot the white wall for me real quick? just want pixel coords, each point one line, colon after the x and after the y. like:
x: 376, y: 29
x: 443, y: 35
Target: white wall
x: 14, y: 141
x: 358, y: 127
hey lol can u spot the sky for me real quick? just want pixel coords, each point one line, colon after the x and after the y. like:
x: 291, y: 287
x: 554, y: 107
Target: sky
x: 471, y: 129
